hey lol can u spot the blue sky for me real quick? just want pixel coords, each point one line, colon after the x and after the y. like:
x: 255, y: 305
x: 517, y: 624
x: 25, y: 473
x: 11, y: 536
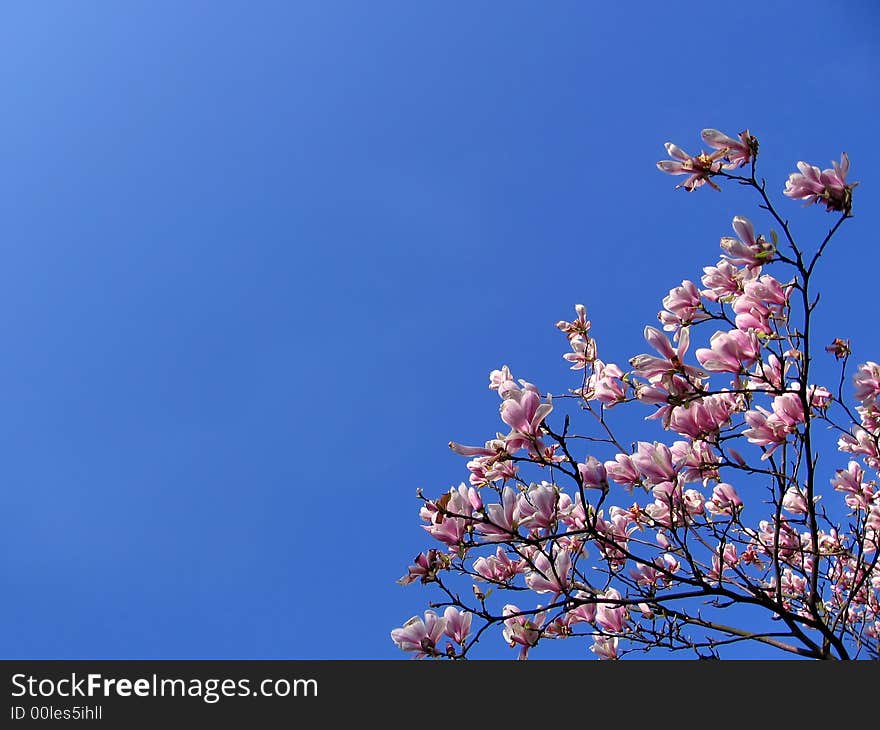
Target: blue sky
x: 257, y: 260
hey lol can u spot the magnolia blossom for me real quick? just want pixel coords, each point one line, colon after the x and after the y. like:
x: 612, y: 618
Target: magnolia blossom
x: 867, y: 384
x: 794, y: 501
x: 703, y: 417
x: 606, y: 384
x: 773, y: 428
x: 605, y: 647
x: 671, y: 360
x: 724, y: 501
x: 738, y: 152
x: 761, y: 300
x: 611, y: 617
x: 424, y: 567
x: 725, y: 282
x: 457, y: 624
x: 522, y: 630
x: 623, y: 471
x: 583, y: 352
x: 524, y: 413
x: 699, y: 169
x: 729, y: 352
x: 420, y: 636
x: 580, y: 327
x: 550, y: 576
x: 828, y: 186
x: 593, y: 473
x: 724, y: 558
x: 502, y: 520
x: 683, y: 306
x: 747, y: 249
x: 538, y: 506
x: 499, y: 568
x: 542, y: 513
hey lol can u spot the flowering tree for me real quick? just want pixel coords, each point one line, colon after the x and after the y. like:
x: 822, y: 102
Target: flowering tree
x: 648, y: 545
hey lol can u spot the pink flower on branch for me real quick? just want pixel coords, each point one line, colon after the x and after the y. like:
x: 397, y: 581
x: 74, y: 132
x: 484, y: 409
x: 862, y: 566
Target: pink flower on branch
x: 699, y: 169
x: 671, y: 358
x: 580, y: 327
x: 773, y: 428
x: 521, y: 629
x: 867, y: 384
x: 605, y: 647
x: 524, y: 413
x: 420, y: 636
x: 550, y: 576
x: 457, y: 624
x: 606, y: 384
x: 748, y: 249
x: 738, y: 152
x: 729, y: 352
x: 683, y: 306
x: 827, y: 186
x: 725, y: 500
x: 499, y: 568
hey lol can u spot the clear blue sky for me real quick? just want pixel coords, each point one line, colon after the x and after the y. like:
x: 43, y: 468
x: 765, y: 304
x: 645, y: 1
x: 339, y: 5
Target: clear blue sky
x: 257, y: 259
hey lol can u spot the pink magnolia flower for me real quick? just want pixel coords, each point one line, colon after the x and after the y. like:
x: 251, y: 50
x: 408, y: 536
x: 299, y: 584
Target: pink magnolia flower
x: 725, y: 500
x: 424, y: 568
x: 828, y: 186
x: 654, y: 461
x: 819, y: 396
x: 683, y: 307
x: 747, y: 249
x: 494, y: 447
x: 499, y: 568
x: 550, y: 576
x: 520, y: 629
x: 699, y: 169
x: 502, y: 519
x: 772, y: 429
x: 583, y: 352
x: 867, y: 383
x: 761, y: 299
x: 584, y: 610
x: 605, y: 647
x: 606, y: 384
x: 696, y: 461
x: 729, y: 352
x: 859, y: 494
x: 789, y: 542
x: 671, y: 360
x: 623, y: 471
x: 645, y: 575
x: 580, y: 327
x: 694, y: 502
x: 458, y: 624
x: 722, y: 560
x: 539, y: 506
x: 449, y: 516
x: 593, y: 474
x: 738, y: 152
x: 768, y: 375
x: 498, y: 378
x: 725, y: 282
x: 863, y: 443
x: 703, y: 417
x: 611, y: 616
x: 420, y: 636
x: 524, y: 413
x: 794, y: 502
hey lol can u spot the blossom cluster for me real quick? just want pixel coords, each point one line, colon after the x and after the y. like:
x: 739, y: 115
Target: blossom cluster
x: 617, y: 543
